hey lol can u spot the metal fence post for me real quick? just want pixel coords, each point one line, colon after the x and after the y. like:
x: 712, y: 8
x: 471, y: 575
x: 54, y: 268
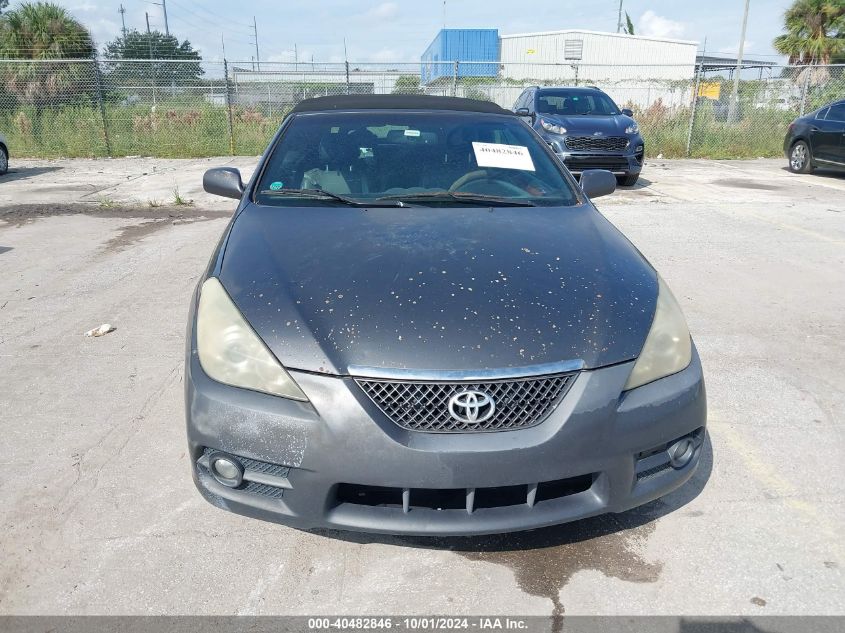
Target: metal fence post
x: 347, y: 77
x: 229, y: 109
x: 99, y: 81
x: 694, y: 107
x: 455, y: 80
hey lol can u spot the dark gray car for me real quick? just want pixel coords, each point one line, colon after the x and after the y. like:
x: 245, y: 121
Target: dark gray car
x: 817, y: 140
x: 417, y: 322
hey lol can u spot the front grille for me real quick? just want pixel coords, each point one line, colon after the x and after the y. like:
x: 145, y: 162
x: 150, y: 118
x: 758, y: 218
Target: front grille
x: 604, y: 143
x: 580, y: 163
x: 464, y: 499
x: 423, y: 406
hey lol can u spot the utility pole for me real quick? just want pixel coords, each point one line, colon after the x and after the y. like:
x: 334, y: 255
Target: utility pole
x: 732, y: 106
x: 163, y: 5
x: 619, y: 19
x: 255, y: 31
x: 152, y: 65
x: 122, y: 13
x: 164, y: 8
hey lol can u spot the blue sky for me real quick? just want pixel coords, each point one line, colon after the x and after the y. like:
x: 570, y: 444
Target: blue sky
x: 400, y: 30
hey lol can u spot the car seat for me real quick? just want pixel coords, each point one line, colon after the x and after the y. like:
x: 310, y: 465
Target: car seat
x: 338, y: 170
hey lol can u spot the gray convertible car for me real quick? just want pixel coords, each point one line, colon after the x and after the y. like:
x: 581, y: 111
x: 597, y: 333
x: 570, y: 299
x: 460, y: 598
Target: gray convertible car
x: 417, y: 322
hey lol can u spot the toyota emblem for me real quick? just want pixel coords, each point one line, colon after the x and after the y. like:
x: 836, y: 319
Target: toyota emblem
x: 471, y: 407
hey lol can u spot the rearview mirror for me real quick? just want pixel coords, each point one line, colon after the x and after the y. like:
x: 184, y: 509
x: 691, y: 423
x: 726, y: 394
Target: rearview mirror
x: 628, y: 112
x: 597, y: 182
x: 223, y: 181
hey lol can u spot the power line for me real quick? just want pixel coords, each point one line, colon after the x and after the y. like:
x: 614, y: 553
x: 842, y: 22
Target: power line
x: 216, y: 24
x: 190, y: 24
x: 227, y: 20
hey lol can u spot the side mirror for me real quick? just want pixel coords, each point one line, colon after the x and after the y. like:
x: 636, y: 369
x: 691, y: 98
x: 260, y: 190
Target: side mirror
x: 628, y: 112
x: 525, y: 112
x: 224, y: 181
x: 597, y: 182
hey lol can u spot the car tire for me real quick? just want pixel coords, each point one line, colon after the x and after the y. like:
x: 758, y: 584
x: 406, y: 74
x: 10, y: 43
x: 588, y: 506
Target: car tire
x: 800, y: 158
x: 4, y: 160
x: 628, y: 180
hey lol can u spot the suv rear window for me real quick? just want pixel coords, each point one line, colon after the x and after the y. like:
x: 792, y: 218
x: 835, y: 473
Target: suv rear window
x: 370, y: 155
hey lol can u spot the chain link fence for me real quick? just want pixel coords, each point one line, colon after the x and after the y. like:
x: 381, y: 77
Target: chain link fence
x: 174, y: 108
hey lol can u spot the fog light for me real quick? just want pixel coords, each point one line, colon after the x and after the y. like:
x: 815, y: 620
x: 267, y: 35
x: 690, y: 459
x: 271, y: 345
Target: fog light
x: 680, y: 453
x: 227, y: 470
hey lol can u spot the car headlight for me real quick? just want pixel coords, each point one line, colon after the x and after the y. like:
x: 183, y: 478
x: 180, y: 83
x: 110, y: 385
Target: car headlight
x: 551, y: 127
x: 632, y: 129
x: 668, y: 347
x: 232, y: 353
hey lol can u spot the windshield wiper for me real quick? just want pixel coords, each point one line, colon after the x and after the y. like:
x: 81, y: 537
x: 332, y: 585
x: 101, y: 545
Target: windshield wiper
x: 321, y: 194
x: 456, y: 196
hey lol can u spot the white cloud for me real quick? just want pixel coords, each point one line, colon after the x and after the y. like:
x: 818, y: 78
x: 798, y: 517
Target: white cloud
x: 86, y: 7
x: 384, y: 11
x: 653, y: 25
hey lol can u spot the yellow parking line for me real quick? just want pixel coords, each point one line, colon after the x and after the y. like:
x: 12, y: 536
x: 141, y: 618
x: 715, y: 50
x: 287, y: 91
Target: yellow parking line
x: 795, y: 229
x: 769, y: 477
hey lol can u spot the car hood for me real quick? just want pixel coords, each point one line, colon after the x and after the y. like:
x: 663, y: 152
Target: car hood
x: 426, y: 288
x: 589, y: 125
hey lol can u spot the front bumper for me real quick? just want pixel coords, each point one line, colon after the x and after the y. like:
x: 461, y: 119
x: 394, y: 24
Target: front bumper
x: 621, y: 163
x: 333, y: 462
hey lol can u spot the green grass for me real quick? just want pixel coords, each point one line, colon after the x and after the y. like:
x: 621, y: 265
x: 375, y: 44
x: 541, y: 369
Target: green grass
x: 179, y: 201
x: 167, y: 132
x: 177, y: 130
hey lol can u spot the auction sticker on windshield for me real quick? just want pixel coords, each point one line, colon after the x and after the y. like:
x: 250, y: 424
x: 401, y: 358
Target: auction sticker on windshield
x: 506, y: 156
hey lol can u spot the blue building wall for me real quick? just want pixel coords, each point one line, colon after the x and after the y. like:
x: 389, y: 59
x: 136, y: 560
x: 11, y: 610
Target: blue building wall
x: 462, y: 45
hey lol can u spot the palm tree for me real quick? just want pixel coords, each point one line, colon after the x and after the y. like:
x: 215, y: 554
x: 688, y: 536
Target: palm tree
x: 815, y: 32
x: 39, y: 32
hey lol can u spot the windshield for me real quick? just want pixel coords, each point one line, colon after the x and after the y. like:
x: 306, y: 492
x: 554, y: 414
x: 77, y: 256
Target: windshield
x: 575, y: 102
x: 416, y: 158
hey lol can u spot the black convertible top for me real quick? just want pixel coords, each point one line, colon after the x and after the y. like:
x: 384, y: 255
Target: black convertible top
x: 397, y: 102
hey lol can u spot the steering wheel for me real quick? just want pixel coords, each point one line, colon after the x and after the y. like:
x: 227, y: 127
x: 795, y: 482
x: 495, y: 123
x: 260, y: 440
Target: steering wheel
x: 481, y: 177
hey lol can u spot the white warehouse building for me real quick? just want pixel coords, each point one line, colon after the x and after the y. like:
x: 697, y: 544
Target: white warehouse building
x: 630, y: 68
